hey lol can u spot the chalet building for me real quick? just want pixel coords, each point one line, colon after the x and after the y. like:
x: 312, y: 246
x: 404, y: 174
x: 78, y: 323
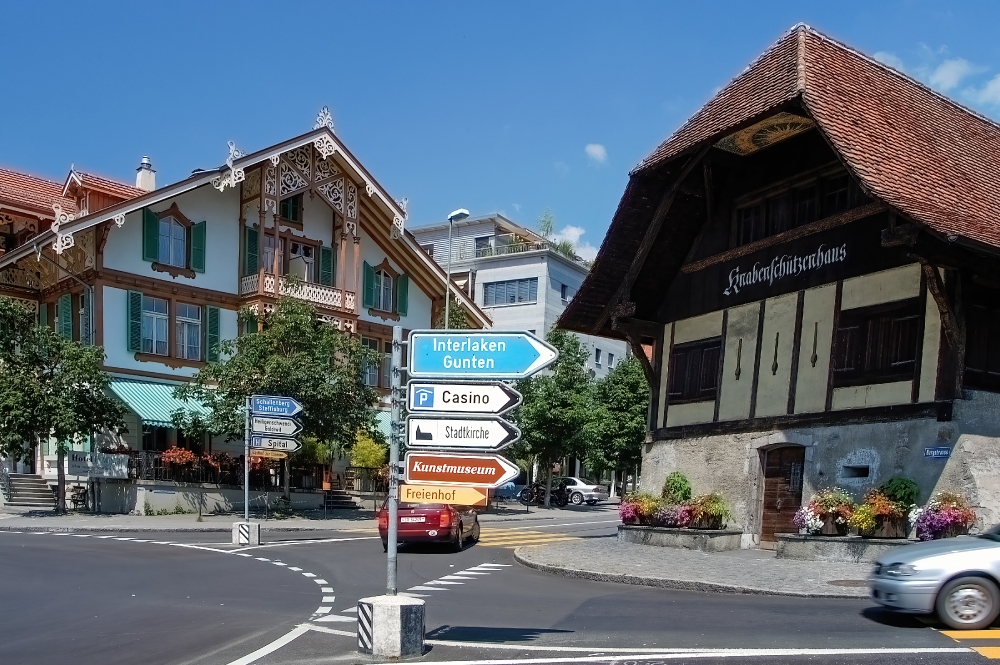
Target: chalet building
x: 809, y: 270
x: 157, y: 275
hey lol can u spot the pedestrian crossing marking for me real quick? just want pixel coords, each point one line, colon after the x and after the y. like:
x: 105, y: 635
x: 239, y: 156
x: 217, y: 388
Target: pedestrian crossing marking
x: 993, y: 653
x: 972, y: 634
x: 519, y: 538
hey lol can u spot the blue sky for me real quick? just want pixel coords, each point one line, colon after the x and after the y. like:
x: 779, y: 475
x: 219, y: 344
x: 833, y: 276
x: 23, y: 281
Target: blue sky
x: 510, y: 106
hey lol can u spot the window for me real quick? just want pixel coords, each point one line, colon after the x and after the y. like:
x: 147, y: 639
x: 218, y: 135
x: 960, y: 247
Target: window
x: 428, y: 249
x: 387, y: 365
x: 597, y: 357
x: 173, y: 243
x: 511, y: 292
x: 269, y: 255
x: 155, y: 438
x: 877, y: 344
x: 484, y: 246
x: 154, y: 326
x: 982, y: 355
x: 383, y: 291
x: 371, y: 369
x: 291, y: 208
x: 835, y: 195
x: 188, y: 331
x: 566, y: 293
x: 611, y: 360
x: 694, y: 371
x: 302, y: 261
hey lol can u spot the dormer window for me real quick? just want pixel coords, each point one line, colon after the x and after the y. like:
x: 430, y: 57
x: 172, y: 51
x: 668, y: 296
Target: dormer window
x: 291, y: 208
x: 173, y: 243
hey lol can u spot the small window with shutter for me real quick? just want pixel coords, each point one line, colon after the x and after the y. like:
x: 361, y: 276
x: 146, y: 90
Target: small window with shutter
x: 877, y: 344
x: 694, y: 371
x: 173, y: 243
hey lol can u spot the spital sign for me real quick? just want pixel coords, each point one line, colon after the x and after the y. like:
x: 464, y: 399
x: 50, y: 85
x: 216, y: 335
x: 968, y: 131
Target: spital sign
x: 784, y: 266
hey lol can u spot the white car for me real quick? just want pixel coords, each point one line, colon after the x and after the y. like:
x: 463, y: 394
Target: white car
x: 581, y: 489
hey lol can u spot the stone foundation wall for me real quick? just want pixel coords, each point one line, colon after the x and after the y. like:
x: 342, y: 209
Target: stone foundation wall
x: 688, y: 539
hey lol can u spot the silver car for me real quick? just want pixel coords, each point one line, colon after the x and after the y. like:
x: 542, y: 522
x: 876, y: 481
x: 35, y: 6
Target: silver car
x: 581, y: 489
x: 955, y: 577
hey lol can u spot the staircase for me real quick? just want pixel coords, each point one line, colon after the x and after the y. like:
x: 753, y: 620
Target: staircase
x: 339, y: 499
x: 31, y: 491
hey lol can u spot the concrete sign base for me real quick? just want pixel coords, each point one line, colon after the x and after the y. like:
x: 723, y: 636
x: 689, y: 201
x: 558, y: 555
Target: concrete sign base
x: 391, y: 626
x: 246, y: 533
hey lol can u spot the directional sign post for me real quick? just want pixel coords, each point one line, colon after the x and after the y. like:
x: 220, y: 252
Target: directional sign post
x: 451, y: 469
x: 260, y: 442
x: 484, y: 355
x: 455, y: 496
x: 268, y: 454
x: 269, y: 426
x: 275, y: 425
x: 460, y: 433
x: 269, y: 405
x: 461, y: 397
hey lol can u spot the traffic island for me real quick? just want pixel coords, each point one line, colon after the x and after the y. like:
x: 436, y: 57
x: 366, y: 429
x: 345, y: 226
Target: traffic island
x: 391, y: 626
x: 849, y: 549
x: 703, y: 540
x: 246, y: 533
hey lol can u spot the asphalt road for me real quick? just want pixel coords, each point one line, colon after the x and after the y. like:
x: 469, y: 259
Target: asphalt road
x: 114, y: 599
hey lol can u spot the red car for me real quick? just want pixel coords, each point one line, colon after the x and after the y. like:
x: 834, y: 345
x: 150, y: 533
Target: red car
x: 431, y: 523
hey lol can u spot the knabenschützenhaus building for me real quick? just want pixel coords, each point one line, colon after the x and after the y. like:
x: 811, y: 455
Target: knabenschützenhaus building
x: 809, y: 268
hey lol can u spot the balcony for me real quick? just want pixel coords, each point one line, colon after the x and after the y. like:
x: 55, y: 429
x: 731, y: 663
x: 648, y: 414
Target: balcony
x: 328, y: 297
x: 509, y: 243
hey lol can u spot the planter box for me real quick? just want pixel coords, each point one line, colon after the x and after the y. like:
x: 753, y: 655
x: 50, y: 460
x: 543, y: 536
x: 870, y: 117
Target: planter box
x: 848, y: 549
x: 703, y: 540
x: 888, y: 527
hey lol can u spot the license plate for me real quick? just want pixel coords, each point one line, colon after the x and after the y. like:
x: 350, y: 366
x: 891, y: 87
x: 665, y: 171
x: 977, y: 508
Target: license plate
x: 411, y: 519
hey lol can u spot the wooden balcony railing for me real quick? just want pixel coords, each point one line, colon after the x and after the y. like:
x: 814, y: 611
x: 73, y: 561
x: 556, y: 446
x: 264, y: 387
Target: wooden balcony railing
x: 263, y: 284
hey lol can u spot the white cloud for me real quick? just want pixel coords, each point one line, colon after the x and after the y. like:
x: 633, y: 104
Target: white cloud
x: 890, y: 59
x: 988, y: 94
x: 517, y: 206
x: 562, y: 167
x: 950, y: 73
x: 596, y: 152
x: 584, y: 250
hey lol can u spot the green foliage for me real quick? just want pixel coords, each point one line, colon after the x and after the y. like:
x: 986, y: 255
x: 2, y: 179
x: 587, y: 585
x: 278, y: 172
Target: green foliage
x: 295, y: 355
x: 50, y: 387
x: 616, y: 424
x: 901, y: 490
x: 313, y: 451
x: 368, y: 453
x: 547, y: 229
x: 458, y: 316
x: 709, y: 507
x: 676, y: 488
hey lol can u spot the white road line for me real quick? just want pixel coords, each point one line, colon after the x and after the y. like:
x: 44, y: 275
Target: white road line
x: 304, y: 574
x: 81, y: 535
x: 324, y: 629
x: 260, y: 558
x: 457, y: 577
x: 278, y: 563
x: 273, y: 646
x: 294, y: 568
x: 327, y: 589
x: 102, y: 537
x: 161, y: 542
x: 470, y: 571
x: 426, y: 588
x: 240, y: 554
x: 708, y: 653
x: 329, y: 599
x: 308, y: 542
x: 443, y: 582
x: 319, y: 581
x: 351, y: 609
x: 323, y: 610
x: 336, y: 618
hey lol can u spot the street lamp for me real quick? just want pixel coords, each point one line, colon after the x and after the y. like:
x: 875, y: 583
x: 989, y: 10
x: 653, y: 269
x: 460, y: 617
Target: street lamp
x: 456, y: 216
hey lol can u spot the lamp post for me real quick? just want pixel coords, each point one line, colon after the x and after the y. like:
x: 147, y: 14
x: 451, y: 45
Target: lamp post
x: 456, y: 216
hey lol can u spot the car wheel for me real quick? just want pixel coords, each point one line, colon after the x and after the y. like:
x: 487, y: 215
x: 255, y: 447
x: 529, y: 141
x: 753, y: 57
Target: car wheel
x: 968, y: 603
x: 475, y: 532
x: 459, y: 543
x: 592, y: 503
x: 577, y: 499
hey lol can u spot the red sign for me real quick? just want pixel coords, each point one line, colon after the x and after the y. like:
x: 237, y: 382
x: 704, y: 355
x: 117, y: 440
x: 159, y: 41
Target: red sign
x: 459, y: 469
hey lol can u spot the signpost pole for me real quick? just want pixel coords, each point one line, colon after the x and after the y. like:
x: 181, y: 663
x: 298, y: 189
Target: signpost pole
x: 246, y: 464
x: 394, y: 437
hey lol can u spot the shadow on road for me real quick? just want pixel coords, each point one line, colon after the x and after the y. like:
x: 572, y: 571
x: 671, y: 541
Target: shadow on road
x: 489, y: 634
x: 895, y: 619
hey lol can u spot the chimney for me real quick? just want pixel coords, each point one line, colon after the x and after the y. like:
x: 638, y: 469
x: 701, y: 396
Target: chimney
x: 145, y: 176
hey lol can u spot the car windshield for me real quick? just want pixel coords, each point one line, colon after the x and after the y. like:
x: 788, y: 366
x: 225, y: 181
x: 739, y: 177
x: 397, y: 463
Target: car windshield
x: 992, y: 534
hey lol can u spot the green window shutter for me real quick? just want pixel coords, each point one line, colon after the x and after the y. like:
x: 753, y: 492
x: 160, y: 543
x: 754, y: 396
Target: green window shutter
x: 86, y: 324
x: 402, y: 293
x: 250, y: 324
x: 134, y: 321
x: 211, y: 334
x: 326, y: 266
x: 250, y: 251
x: 65, y: 316
x: 198, y: 247
x: 368, y: 297
x: 43, y: 314
x: 150, y: 235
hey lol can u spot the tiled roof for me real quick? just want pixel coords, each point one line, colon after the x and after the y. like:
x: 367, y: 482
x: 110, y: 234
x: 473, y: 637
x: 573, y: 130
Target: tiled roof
x: 33, y: 193
x: 113, y: 187
x: 933, y: 160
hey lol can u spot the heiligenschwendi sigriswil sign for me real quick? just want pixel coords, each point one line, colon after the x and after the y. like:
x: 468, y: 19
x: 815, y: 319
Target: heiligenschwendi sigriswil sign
x: 272, y: 424
x: 435, y: 354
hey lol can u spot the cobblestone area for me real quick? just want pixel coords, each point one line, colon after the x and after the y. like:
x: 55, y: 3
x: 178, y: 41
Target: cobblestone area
x: 740, y: 571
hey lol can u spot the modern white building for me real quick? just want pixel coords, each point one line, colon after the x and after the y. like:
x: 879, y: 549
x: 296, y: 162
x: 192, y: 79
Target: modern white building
x: 516, y: 276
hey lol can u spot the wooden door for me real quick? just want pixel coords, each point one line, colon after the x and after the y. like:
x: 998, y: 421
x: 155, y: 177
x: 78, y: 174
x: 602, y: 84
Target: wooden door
x: 782, y: 490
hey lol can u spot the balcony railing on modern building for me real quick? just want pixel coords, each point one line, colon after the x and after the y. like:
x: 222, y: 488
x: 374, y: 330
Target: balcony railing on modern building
x: 263, y: 284
x: 509, y: 243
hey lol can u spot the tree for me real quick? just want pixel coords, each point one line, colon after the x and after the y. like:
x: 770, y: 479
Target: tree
x: 547, y: 228
x: 368, y: 453
x: 553, y: 416
x: 458, y: 317
x: 296, y: 355
x: 617, y: 424
x: 50, y: 388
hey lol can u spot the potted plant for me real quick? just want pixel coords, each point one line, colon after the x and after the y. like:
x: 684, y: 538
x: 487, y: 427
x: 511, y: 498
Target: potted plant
x: 639, y: 509
x: 708, y: 511
x: 946, y: 515
x: 675, y: 517
x: 807, y: 520
x: 676, y: 489
x: 891, y: 504
x: 879, y: 517
x: 834, y: 506
x: 177, y: 456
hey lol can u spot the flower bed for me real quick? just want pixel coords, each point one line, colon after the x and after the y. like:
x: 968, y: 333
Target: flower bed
x: 826, y: 513
x: 946, y: 515
x: 675, y: 508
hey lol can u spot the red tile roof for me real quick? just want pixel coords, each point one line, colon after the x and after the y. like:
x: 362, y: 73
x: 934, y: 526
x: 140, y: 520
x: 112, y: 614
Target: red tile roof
x: 933, y: 160
x: 108, y: 186
x: 32, y: 193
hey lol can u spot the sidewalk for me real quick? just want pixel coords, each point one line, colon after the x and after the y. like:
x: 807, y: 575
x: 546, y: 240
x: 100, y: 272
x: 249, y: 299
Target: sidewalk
x: 740, y: 571
x: 18, y: 519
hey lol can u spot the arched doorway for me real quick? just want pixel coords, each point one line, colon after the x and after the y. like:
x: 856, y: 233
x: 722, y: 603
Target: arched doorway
x: 782, y: 489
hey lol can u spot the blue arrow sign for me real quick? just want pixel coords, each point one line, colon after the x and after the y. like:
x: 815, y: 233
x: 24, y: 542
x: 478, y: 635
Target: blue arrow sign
x: 483, y: 355
x: 272, y: 405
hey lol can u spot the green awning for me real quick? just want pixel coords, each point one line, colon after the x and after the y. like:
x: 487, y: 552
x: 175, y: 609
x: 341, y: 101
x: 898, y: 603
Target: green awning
x: 153, y: 402
x: 383, y: 422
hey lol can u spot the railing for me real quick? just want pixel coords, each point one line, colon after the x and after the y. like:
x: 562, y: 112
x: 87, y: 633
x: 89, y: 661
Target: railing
x: 148, y: 465
x: 5, y: 486
x: 502, y: 246
x: 20, y: 278
x: 365, y: 479
x: 263, y: 284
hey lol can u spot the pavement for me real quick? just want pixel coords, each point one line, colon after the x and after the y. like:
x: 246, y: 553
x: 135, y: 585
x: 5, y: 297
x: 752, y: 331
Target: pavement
x: 738, y: 571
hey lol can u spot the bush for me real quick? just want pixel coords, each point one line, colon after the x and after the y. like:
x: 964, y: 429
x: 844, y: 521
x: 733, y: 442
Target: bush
x: 677, y: 517
x: 832, y: 502
x: 946, y: 514
x: 676, y: 488
x: 639, y: 508
x: 900, y: 490
x: 709, y: 508
x: 863, y: 519
x: 367, y: 452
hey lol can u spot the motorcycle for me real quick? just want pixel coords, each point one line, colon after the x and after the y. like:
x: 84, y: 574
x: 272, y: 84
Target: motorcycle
x: 534, y: 494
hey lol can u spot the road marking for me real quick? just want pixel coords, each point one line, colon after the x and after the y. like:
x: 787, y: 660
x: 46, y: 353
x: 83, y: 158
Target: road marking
x: 273, y: 646
x: 972, y: 634
x: 443, y: 582
x: 350, y: 609
x: 515, y: 538
x: 323, y: 610
x: 297, y: 570
x: 456, y: 577
x: 309, y: 542
x: 331, y: 631
x: 496, y: 565
x: 337, y: 619
x: 304, y: 574
x: 329, y: 599
x: 260, y: 558
x: 327, y: 589
x: 81, y: 535
x: 993, y: 653
x: 318, y: 581
x: 426, y: 588
x: 553, y: 526
x: 705, y: 653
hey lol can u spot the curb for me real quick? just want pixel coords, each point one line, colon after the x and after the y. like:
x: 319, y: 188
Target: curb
x: 140, y: 529
x: 666, y: 583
